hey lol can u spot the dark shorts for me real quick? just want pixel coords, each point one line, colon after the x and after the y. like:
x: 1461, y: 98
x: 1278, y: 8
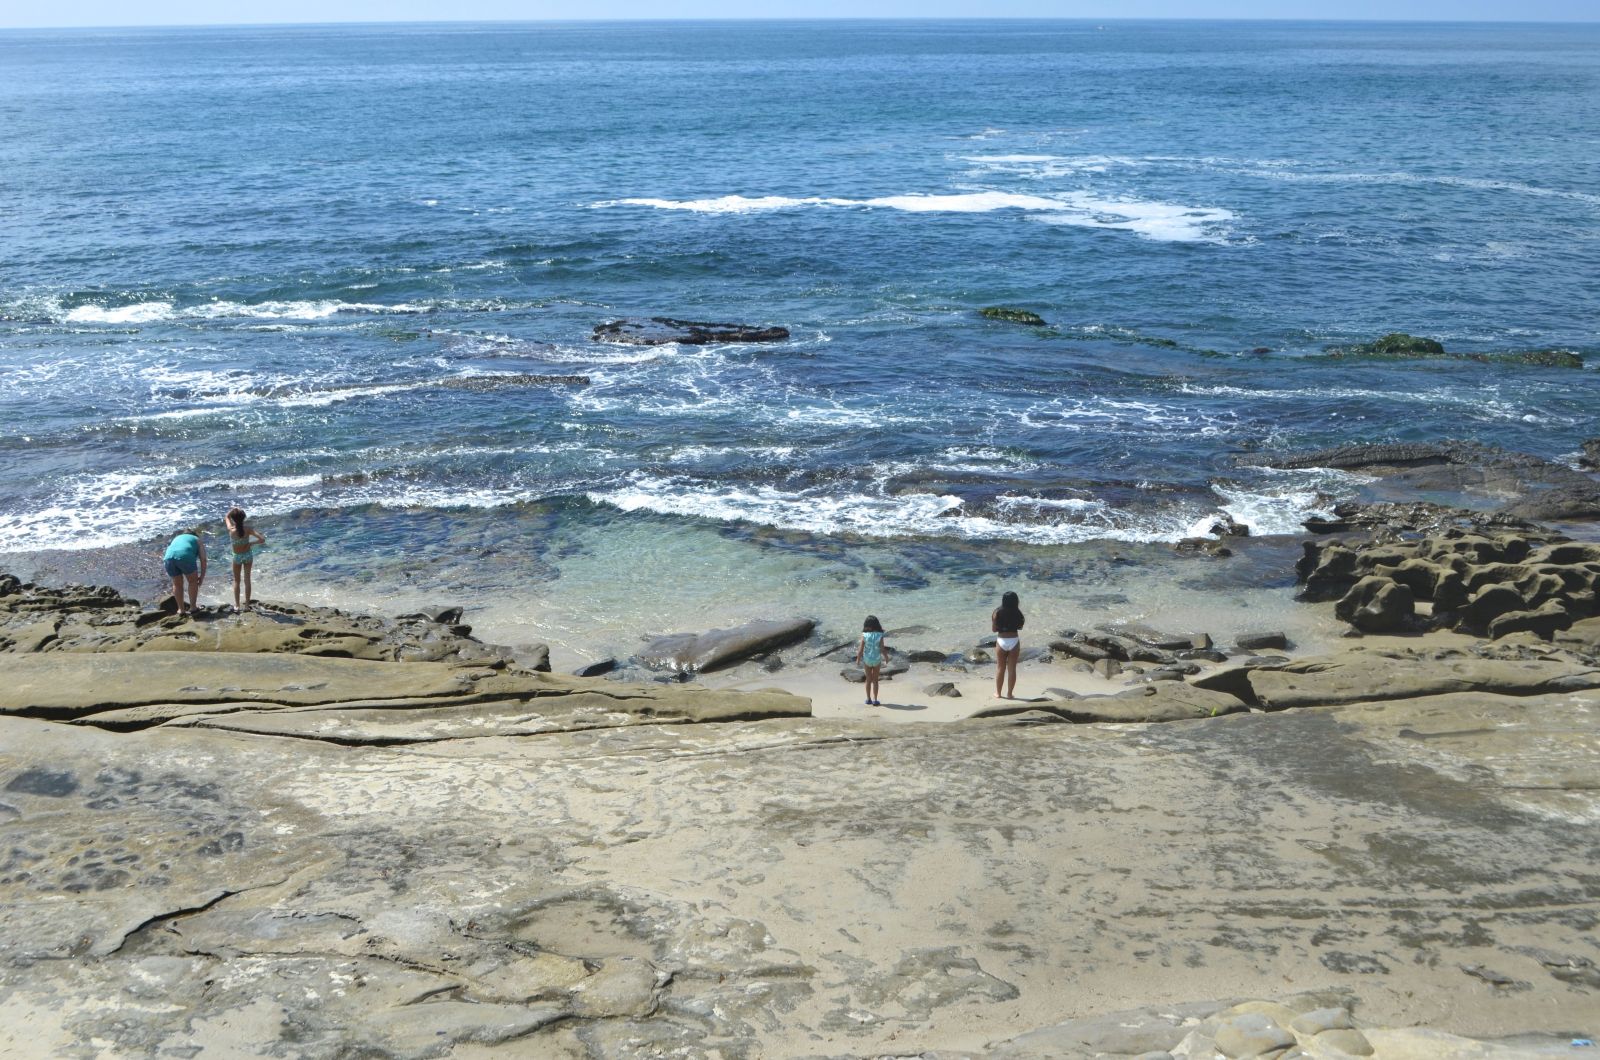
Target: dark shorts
x: 176, y: 567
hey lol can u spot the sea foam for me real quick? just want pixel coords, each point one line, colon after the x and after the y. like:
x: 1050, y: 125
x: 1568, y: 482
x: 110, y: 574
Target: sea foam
x: 1162, y: 221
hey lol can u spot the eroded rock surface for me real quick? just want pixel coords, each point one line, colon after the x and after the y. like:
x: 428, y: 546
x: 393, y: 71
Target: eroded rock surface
x: 280, y: 853
x: 718, y: 889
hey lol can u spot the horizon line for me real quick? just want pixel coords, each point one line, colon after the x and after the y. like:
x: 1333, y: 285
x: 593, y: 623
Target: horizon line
x: 801, y: 18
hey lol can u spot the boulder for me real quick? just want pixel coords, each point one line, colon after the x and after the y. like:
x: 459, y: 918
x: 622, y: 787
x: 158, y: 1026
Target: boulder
x: 1546, y: 621
x: 533, y: 657
x: 1251, y: 1034
x: 1274, y: 639
x: 658, y: 331
x: 704, y: 652
x: 1327, y: 571
x: 1377, y: 605
x: 1489, y: 603
x: 942, y: 688
x: 1108, y: 668
x: 927, y: 655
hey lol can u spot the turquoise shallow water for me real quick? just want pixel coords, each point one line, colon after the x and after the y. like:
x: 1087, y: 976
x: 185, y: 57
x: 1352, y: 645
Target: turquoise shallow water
x: 254, y: 265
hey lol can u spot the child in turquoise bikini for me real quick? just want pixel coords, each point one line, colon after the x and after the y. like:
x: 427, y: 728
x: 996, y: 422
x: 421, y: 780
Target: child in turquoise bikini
x: 247, y: 544
x: 869, y: 655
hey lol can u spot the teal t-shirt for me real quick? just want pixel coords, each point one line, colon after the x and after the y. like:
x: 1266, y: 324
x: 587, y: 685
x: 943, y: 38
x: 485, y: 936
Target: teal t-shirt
x: 185, y: 548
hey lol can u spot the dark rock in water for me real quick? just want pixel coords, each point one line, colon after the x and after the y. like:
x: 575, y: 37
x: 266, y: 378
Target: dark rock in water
x: 1398, y: 346
x: 1546, y: 622
x: 1202, y: 546
x: 1591, y: 453
x: 942, y: 688
x: 596, y: 669
x: 1228, y: 526
x: 1377, y: 605
x: 1014, y: 316
x: 506, y: 382
x: 988, y: 642
x: 659, y: 331
x: 1259, y: 641
x: 1395, y: 345
x: 977, y: 656
x: 703, y: 652
x: 926, y: 655
x: 443, y: 615
x: 1535, y: 358
x: 1318, y: 524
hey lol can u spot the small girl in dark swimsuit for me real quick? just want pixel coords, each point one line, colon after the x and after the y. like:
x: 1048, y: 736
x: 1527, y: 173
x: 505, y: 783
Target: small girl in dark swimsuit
x: 1006, y: 622
x: 247, y: 543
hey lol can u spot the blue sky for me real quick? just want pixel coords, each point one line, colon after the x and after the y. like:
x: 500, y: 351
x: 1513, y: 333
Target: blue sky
x: 207, y: 12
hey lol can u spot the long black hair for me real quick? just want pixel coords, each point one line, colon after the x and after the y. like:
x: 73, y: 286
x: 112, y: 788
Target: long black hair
x: 872, y: 625
x: 234, y: 521
x: 1009, y: 614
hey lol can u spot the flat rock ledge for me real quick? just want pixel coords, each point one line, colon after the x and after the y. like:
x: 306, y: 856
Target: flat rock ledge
x: 390, y: 840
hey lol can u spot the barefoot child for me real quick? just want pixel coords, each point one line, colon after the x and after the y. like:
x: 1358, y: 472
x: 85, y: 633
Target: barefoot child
x: 869, y: 655
x: 185, y: 562
x: 246, y: 542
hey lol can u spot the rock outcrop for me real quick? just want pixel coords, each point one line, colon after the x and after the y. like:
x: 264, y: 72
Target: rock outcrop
x: 1539, y: 490
x: 659, y: 331
x: 1494, y: 584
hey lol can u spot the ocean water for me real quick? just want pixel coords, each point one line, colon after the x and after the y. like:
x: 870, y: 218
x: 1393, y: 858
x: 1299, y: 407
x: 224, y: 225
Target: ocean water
x: 308, y: 270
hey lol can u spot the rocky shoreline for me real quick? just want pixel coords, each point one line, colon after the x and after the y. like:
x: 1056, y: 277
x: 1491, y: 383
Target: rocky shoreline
x: 310, y: 832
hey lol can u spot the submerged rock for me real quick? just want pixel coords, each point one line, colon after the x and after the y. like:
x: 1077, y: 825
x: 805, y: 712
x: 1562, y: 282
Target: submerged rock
x: 659, y: 331
x: 702, y: 652
x: 1014, y: 316
x: 1398, y: 346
